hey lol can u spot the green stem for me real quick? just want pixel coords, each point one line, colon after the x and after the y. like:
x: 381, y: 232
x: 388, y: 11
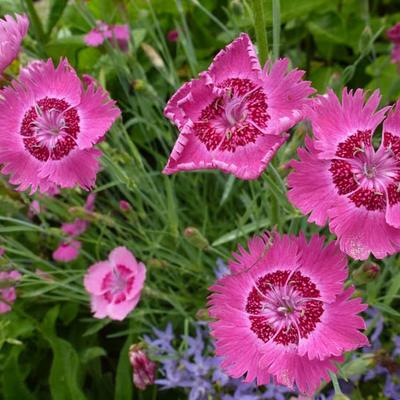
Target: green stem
x: 276, y: 28
x: 335, y: 383
x: 260, y: 29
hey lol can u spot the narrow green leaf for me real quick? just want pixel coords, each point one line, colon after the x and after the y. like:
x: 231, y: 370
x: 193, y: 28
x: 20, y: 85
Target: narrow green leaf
x: 56, y: 10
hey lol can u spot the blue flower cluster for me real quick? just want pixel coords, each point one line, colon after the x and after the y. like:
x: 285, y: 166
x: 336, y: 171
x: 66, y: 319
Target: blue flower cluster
x: 189, y: 363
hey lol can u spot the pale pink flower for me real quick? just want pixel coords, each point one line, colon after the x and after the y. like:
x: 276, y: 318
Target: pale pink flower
x: 67, y: 251
x: 115, y: 285
x: 144, y: 370
x: 118, y: 35
x: 285, y: 304
x: 342, y: 179
x: 233, y: 117
x: 49, y: 126
x: 7, y: 289
x: 12, y: 31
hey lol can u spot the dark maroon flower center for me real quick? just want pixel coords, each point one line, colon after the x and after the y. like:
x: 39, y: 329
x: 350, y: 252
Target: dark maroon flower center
x: 50, y: 129
x: 284, y: 306
x: 367, y: 177
x: 117, y: 284
x: 234, y: 119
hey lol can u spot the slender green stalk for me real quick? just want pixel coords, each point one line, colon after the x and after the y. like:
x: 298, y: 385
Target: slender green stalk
x: 335, y: 383
x: 276, y: 28
x: 260, y: 29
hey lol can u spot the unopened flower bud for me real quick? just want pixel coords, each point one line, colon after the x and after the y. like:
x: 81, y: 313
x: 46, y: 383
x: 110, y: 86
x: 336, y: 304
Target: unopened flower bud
x: 144, y: 370
x: 367, y: 272
x: 237, y: 7
x: 153, y: 56
x: 157, y: 263
x: 195, y: 238
x: 202, y: 314
x: 173, y: 36
x: 124, y: 206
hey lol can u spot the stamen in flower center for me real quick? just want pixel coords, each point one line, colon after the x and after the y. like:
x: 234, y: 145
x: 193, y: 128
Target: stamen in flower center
x: 284, y: 307
x: 367, y: 177
x: 234, y: 119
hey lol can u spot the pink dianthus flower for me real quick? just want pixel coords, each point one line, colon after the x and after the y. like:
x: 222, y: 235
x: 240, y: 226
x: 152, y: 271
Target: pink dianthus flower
x: 12, y: 31
x: 234, y: 116
x: 8, y: 293
x: 285, y: 304
x: 342, y: 179
x: 49, y: 126
x: 67, y: 251
x: 118, y: 35
x: 115, y: 285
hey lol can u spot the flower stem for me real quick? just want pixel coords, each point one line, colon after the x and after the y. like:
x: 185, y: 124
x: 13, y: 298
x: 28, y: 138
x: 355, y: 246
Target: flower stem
x: 335, y: 383
x: 259, y: 27
x: 276, y: 28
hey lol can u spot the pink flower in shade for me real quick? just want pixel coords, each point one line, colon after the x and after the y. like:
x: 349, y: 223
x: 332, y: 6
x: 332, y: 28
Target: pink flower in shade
x: 395, y: 55
x: 342, y: 179
x: 115, y: 285
x: 121, y: 35
x: 12, y: 31
x: 7, y: 290
x: 144, y: 370
x: 49, y: 126
x: 394, y: 33
x: 34, y: 209
x: 2, y: 251
x: 284, y: 302
x: 124, y: 206
x: 67, y: 251
x: 233, y: 117
x: 173, y: 36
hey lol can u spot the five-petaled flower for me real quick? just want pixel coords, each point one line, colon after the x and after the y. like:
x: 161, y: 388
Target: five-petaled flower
x: 49, y: 126
x: 115, y: 285
x: 342, y: 179
x: 235, y: 115
x: 284, y: 302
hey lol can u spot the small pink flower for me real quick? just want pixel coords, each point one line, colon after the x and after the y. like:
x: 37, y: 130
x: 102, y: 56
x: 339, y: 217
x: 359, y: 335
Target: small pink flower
x: 173, y: 36
x: 67, y: 251
x: 124, y: 206
x: 34, y: 209
x: 98, y: 34
x: 118, y: 35
x: 285, y: 303
x: 2, y: 251
x: 121, y: 36
x: 342, y: 179
x: 144, y: 370
x: 49, y: 127
x: 12, y: 31
x: 394, y: 33
x: 79, y: 226
x: 75, y: 228
x: 115, y: 285
x: 234, y: 116
x: 7, y: 292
